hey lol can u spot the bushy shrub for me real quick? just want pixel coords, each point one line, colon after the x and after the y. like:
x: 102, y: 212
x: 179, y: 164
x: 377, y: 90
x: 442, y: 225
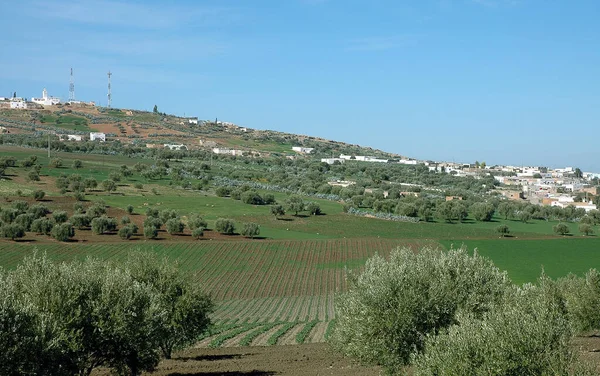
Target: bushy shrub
x: 138, y: 186
x: 24, y: 220
x: 56, y: 162
x: 198, y: 232
x: 196, y: 221
x: 78, y: 208
x: 503, y: 230
x: 250, y: 230
x: 60, y: 216
x: 313, y: 208
x: 42, y: 225
x: 103, y: 224
x: 109, y: 185
x: 80, y: 221
x: 152, y: 212
x: 96, y: 210
x: 225, y: 226
x: 222, y: 191
x: 90, y: 183
x: 129, y: 209
x: 38, y: 210
x: 8, y: 215
x: 125, y: 232
x: 39, y: 195
x: 269, y: 199
x: 561, y: 229
x: 251, y: 198
x: 12, y: 231
x: 21, y: 206
x: 390, y: 309
x: 154, y: 222
x: 33, y: 176
x: 167, y: 214
x: 63, y: 231
x: 150, y: 232
x: 277, y: 210
x: 582, y: 297
x: 174, y: 226
x: 527, y: 334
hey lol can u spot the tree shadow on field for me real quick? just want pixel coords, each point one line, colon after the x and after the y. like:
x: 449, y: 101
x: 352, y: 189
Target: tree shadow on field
x: 210, y: 358
x: 232, y: 373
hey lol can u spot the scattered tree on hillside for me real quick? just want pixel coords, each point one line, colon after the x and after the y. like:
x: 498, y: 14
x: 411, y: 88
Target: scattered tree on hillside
x: 277, y: 211
x: 225, y: 226
x: 561, y: 229
x: 295, y: 204
x: 503, y: 230
x: 586, y: 229
x: 250, y: 230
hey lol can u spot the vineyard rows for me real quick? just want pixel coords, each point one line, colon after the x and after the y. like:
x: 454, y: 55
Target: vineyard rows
x: 266, y: 292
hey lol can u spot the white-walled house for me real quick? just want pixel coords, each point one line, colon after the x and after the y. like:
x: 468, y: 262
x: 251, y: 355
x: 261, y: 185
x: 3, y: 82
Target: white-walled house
x: 73, y: 137
x: 303, y: 150
x: 175, y: 146
x: 97, y: 136
x: 193, y: 121
x: 233, y: 152
x: 18, y: 104
x: 333, y: 160
x: 45, y: 99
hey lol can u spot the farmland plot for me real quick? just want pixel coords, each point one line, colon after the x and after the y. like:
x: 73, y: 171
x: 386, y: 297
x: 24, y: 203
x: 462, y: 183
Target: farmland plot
x: 266, y: 292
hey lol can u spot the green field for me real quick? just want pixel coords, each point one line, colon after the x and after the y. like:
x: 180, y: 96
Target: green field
x: 272, y: 289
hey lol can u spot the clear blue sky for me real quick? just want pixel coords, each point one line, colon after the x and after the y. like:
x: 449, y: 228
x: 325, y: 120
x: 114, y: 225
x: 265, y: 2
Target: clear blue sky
x: 501, y: 81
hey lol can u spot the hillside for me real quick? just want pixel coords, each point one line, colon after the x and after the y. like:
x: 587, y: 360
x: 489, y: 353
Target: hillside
x: 149, y: 129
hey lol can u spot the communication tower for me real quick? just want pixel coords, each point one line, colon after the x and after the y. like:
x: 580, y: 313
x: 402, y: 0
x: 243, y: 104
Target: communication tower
x: 71, y: 88
x: 109, y: 95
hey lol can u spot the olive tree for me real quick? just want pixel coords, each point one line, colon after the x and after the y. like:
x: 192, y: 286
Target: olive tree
x: 63, y: 231
x: 277, y: 210
x: 527, y: 334
x: 225, y: 226
x: 179, y: 294
x: 174, y: 226
x: 250, y: 230
x: 561, y: 229
x: 390, y: 309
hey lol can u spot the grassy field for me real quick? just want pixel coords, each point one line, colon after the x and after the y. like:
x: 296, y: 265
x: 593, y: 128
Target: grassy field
x: 72, y: 122
x: 281, y: 289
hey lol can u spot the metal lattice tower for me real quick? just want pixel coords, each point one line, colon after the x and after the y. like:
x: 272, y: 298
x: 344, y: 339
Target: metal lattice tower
x: 109, y: 94
x: 71, y: 88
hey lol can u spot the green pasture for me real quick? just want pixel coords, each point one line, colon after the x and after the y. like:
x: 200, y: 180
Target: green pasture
x: 72, y: 122
x: 524, y: 259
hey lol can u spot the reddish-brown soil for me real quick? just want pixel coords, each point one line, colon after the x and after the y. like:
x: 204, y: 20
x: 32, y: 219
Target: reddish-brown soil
x: 293, y: 360
x: 300, y: 360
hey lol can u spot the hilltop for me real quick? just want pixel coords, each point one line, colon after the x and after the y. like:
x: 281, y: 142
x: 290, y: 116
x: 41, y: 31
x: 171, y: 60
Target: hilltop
x: 154, y: 130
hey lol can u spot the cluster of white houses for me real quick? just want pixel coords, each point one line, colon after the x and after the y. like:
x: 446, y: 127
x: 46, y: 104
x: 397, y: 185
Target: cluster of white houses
x: 45, y: 100
x: 94, y: 136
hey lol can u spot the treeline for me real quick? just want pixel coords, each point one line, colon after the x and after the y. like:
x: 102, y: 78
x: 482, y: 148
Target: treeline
x: 452, y: 313
x: 71, y: 318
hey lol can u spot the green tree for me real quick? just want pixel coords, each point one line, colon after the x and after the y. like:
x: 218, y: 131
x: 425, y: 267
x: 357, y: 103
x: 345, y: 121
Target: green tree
x: 33, y: 176
x: 225, y: 226
x: 391, y: 308
x: 196, y: 221
x: 109, y: 185
x: 56, y: 162
x: 150, y: 232
x: 561, y: 229
x: 90, y: 183
x: 295, y: 204
x: 60, y: 216
x: 39, y: 195
x: 528, y: 334
x: 198, y: 232
x: 277, y: 211
x: 129, y: 209
x: 482, y: 212
x: 174, y: 226
x: 503, y: 230
x: 179, y: 294
x: 313, y: 208
x: 42, y: 225
x: 250, y: 230
x: 77, y: 164
x: 12, y: 231
x: 586, y: 229
x: 506, y: 209
x: 155, y: 109
x: 63, y: 232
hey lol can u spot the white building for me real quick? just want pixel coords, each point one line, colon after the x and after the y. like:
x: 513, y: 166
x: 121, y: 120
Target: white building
x: 333, y: 160
x: 18, y: 104
x: 45, y: 99
x: 74, y: 137
x: 97, y: 136
x: 193, y: 121
x: 300, y: 149
x: 233, y: 152
x: 175, y: 146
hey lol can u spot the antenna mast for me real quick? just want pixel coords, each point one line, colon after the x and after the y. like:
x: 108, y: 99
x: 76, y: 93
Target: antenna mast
x: 109, y: 95
x: 71, y: 88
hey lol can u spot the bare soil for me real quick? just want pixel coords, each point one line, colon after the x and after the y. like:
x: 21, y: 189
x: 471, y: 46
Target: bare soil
x: 295, y: 360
